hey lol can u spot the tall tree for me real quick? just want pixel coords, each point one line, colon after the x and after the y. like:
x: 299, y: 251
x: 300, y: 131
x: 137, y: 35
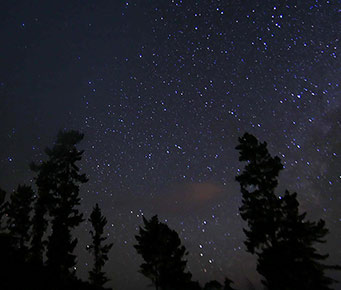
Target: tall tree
x: 19, y: 215
x: 58, y: 181
x: 100, y: 251
x: 260, y: 206
x: 280, y: 236
x: 163, y: 255
x: 46, y: 184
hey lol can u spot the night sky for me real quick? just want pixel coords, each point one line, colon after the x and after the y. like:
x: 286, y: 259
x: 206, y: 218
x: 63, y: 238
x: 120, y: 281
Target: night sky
x: 162, y: 89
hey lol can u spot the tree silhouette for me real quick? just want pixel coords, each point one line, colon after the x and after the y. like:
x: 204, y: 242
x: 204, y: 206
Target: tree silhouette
x: 46, y: 184
x: 58, y: 181
x: 100, y: 252
x: 18, y: 216
x: 163, y: 255
x: 281, y: 237
x: 58, y: 185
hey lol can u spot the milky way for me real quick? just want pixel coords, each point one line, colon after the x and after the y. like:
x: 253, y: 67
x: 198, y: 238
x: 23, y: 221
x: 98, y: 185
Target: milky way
x: 162, y: 90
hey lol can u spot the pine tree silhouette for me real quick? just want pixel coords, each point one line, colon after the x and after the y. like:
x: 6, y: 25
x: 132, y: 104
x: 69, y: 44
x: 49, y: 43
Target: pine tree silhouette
x: 100, y: 252
x: 18, y: 216
x: 281, y: 237
x: 46, y: 186
x: 58, y: 181
x: 163, y: 255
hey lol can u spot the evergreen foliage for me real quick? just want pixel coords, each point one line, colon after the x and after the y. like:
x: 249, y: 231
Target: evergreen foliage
x: 100, y: 252
x: 18, y: 216
x: 283, y: 239
x: 46, y: 186
x: 280, y: 236
x: 163, y: 255
x: 39, y: 226
x: 58, y: 181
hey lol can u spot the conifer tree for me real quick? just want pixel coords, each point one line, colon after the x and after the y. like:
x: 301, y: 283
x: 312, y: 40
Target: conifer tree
x: 45, y: 182
x: 100, y: 251
x: 58, y: 181
x: 18, y: 213
x: 280, y: 236
x: 163, y: 255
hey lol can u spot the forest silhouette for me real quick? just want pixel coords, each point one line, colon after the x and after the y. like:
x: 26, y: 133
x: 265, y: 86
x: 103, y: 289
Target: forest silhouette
x: 37, y: 247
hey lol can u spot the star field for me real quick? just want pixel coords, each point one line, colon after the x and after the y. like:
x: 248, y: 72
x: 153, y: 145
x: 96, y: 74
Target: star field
x: 162, y: 90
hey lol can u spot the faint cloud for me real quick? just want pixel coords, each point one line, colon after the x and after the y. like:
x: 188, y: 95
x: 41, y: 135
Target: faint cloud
x: 188, y: 198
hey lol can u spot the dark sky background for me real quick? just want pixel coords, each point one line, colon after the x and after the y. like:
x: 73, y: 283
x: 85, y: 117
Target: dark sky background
x: 162, y: 89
